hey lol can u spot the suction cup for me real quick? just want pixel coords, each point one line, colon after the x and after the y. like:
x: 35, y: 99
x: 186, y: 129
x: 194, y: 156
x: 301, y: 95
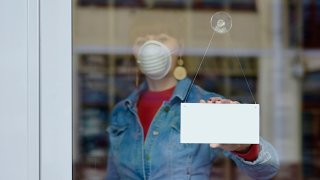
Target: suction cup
x: 221, y: 22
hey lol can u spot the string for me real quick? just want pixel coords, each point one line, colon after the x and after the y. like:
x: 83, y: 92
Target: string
x: 198, y: 69
x: 242, y: 71
x: 199, y: 66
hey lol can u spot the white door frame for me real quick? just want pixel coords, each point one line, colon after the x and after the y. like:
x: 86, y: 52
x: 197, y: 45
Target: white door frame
x: 15, y: 115
x: 35, y: 90
x: 55, y: 89
x: 33, y: 96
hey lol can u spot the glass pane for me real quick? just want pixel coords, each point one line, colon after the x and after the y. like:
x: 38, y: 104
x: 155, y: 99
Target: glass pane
x: 134, y: 62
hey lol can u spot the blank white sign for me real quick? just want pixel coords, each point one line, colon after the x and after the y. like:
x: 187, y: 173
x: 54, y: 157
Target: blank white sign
x: 220, y: 123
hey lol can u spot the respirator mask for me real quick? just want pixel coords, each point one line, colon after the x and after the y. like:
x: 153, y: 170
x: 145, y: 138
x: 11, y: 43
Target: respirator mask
x: 154, y: 59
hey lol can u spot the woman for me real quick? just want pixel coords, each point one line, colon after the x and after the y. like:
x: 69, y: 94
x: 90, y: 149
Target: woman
x: 145, y: 128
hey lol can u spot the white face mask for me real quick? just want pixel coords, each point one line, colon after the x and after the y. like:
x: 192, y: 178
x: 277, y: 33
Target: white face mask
x: 154, y: 59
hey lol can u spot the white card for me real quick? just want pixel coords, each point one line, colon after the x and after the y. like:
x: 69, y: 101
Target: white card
x: 220, y: 123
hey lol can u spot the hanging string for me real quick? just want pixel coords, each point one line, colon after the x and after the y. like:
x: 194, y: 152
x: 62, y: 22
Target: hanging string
x: 198, y: 69
x: 205, y: 53
x: 242, y: 71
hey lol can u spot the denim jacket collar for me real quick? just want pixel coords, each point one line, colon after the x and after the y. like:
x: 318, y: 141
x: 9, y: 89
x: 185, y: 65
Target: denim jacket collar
x: 179, y: 93
x: 181, y: 90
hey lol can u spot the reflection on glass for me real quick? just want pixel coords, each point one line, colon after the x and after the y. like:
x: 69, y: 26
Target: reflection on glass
x: 107, y: 45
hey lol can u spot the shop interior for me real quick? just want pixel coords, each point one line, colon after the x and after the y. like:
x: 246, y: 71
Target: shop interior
x: 275, y: 45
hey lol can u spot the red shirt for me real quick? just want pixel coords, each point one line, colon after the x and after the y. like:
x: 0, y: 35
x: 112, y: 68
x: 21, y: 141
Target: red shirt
x: 252, y: 154
x: 149, y: 104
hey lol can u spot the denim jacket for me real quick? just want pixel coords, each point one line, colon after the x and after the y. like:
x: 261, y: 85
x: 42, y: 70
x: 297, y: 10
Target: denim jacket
x: 161, y: 155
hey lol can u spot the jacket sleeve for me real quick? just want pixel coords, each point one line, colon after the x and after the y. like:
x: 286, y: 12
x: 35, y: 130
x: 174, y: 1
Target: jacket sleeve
x: 112, y: 173
x: 264, y: 167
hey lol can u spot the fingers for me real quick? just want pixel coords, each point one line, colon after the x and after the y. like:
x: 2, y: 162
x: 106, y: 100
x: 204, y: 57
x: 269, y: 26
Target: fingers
x: 215, y: 99
x: 228, y: 147
x: 219, y: 100
x: 214, y: 145
x: 226, y: 101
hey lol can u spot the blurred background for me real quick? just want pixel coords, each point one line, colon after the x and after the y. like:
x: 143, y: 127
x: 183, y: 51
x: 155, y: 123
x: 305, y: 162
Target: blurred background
x: 276, y: 41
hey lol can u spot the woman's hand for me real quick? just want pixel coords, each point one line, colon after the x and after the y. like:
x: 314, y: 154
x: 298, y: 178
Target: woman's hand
x: 219, y: 100
x: 239, y: 148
